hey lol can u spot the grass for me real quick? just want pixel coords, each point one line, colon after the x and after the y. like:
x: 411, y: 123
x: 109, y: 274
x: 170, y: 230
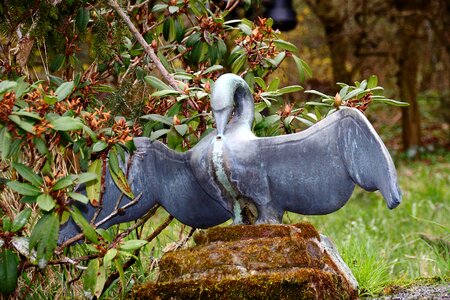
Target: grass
x: 382, y: 246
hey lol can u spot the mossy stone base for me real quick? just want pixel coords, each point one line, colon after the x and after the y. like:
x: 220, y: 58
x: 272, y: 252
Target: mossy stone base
x: 253, y: 262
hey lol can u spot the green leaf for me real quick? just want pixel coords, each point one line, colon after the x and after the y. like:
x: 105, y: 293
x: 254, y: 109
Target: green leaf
x: 122, y: 278
x: 7, y: 85
x: 99, y: 146
x: 21, y: 219
x: 40, y: 145
x: 121, y: 182
x: 132, y: 245
x: 156, y: 83
x: 198, y: 52
x: 285, y: 45
x: 101, y: 280
x: 8, y: 271
x: 267, y: 122
x: 93, y: 188
x: 28, y: 174
x: 109, y: 256
x: 63, y: 183
x: 56, y: 65
x: 169, y: 29
x: 106, y: 234
x: 27, y: 126
x: 64, y: 90
x: 45, y: 202
x: 245, y: 29
x: 290, y: 89
x: 113, y: 161
x: 66, y: 123
x: 5, y: 142
x: 261, y: 83
x: 21, y: 88
x: 166, y: 93
x: 273, y: 85
x: 82, y: 19
x: 22, y: 188
x: 305, y: 121
x: 193, y: 39
x: 85, y: 177
x: 87, y: 228
x: 158, y: 118
x: 312, y: 103
x: 90, y: 278
x: 24, y: 113
x: 79, y: 197
x: 373, y: 82
x: 303, y: 69
x: 175, y: 109
x: 390, y: 101
x: 159, y: 7
x: 237, y: 65
x: 6, y: 221
x: 318, y: 93
x: 28, y: 199
x: 158, y: 133
x: 91, y: 133
x: 352, y: 94
x: 214, y: 68
x: 181, y: 129
x: 44, y: 237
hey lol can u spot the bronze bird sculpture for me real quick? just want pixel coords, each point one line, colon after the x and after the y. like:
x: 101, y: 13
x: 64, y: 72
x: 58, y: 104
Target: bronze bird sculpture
x: 231, y: 173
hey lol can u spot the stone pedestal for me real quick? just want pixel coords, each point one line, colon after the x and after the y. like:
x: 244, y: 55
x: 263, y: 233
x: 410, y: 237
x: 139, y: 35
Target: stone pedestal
x: 254, y: 262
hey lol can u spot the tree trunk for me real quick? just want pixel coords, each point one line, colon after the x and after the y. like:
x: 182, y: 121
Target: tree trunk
x: 407, y: 80
x: 333, y: 17
x: 338, y: 52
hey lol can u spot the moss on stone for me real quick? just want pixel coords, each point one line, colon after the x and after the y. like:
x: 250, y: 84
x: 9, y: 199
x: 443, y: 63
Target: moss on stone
x: 251, y: 262
x: 243, y: 232
x: 294, y: 284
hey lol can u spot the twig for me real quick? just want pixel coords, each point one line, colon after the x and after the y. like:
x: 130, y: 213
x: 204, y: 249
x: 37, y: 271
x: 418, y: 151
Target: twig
x: 63, y: 261
x: 138, y: 223
x: 117, y: 210
x: 231, y: 5
x: 186, y: 239
x: 130, y: 8
x: 170, y: 79
x: 130, y: 67
x: 107, y: 218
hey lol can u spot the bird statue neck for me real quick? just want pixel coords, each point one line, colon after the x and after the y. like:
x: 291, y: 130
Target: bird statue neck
x: 244, y: 107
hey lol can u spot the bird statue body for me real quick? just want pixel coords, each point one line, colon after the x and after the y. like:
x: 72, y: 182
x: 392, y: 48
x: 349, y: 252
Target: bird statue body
x: 231, y: 173
x: 312, y: 172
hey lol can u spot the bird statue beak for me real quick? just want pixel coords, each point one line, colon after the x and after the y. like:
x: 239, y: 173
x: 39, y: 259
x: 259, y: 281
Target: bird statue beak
x: 222, y: 116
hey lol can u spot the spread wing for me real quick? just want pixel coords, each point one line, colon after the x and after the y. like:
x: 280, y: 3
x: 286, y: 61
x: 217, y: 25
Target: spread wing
x: 161, y: 176
x: 315, y: 171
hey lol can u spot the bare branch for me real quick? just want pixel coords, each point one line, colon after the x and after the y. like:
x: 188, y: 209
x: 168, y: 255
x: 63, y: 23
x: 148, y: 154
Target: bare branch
x: 117, y: 210
x: 170, y: 79
x: 96, y: 225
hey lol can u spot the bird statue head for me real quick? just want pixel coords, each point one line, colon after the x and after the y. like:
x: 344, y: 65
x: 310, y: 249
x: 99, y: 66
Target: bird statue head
x: 228, y: 91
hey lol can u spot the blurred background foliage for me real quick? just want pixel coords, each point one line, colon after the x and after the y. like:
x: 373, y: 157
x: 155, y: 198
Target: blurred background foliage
x: 77, y: 83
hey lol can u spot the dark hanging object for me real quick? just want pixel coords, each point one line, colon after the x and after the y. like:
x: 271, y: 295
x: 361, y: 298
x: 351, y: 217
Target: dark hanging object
x: 283, y: 15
